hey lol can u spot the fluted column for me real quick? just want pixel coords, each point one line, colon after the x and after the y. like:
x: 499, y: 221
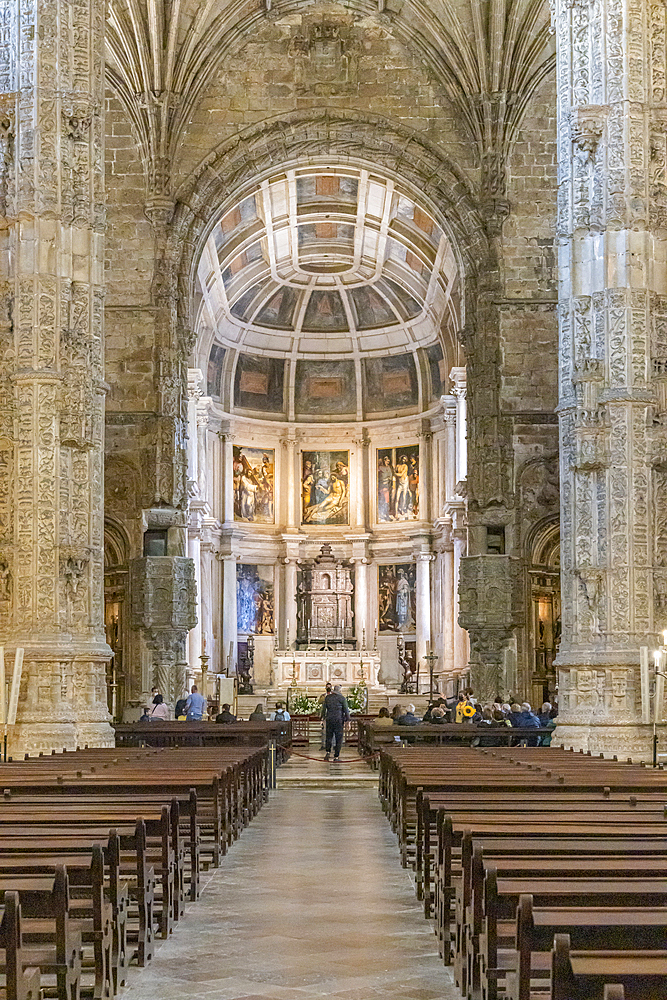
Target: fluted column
x: 52, y: 403
x: 612, y: 219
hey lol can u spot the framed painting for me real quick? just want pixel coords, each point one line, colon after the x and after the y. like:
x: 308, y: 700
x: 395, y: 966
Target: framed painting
x: 254, y: 484
x: 398, y: 483
x: 325, y: 487
x: 397, y: 598
x: 254, y: 599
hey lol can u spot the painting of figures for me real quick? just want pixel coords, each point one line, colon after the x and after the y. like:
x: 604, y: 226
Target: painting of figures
x: 325, y: 487
x: 253, y: 484
x: 397, y: 598
x: 398, y: 483
x: 254, y: 599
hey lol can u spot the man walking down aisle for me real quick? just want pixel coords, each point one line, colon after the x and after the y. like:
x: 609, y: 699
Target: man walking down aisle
x: 336, y: 713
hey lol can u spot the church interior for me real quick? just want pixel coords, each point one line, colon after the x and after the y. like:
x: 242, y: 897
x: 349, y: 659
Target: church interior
x: 333, y: 349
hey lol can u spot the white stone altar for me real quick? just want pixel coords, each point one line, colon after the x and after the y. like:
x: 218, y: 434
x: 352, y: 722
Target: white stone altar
x: 314, y: 667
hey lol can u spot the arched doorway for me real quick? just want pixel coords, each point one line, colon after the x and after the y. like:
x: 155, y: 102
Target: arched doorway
x: 545, y: 617
x: 116, y: 556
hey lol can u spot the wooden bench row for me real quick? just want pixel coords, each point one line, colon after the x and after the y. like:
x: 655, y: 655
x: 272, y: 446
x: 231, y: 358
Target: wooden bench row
x: 512, y: 848
x: 99, y: 851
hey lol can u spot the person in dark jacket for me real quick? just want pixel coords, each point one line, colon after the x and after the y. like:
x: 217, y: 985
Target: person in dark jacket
x: 335, y: 713
x: 179, y: 710
x: 257, y: 715
x: 528, y: 720
x: 225, y: 716
x: 438, y: 716
x: 408, y: 718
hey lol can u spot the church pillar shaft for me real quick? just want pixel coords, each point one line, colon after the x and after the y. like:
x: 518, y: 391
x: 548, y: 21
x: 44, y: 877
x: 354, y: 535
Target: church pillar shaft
x: 611, y: 221
x: 290, y: 603
x: 52, y: 411
x: 229, y: 615
x: 423, y: 601
x: 361, y: 602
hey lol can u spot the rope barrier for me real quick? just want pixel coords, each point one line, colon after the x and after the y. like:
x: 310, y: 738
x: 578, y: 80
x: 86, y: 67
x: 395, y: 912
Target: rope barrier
x: 348, y: 760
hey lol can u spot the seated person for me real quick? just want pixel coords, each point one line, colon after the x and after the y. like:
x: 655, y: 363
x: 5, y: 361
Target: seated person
x: 383, y: 719
x: 146, y: 717
x: 257, y: 715
x: 408, y: 718
x: 159, y: 711
x: 179, y: 710
x: 528, y: 720
x: 225, y: 716
x: 438, y: 716
x: 281, y: 714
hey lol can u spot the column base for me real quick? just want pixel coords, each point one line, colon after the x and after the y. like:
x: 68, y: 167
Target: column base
x: 40, y: 737
x: 95, y: 734
x: 621, y: 740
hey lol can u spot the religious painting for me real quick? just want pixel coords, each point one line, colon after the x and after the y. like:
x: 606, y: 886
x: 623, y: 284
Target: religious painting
x: 398, y: 483
x: 259, y: 383
x: 397, y: 598
x: 253, y: 470
x: 254, y: 599
x: 390, y: 383
x: 323, y: 388
x: 325, y: 487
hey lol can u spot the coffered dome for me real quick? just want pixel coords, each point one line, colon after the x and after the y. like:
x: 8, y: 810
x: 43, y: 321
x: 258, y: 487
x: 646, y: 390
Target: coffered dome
x: 321, y: 262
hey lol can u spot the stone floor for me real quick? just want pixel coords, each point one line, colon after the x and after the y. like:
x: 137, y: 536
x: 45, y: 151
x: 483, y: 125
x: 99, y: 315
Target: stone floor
x: 311, y: 902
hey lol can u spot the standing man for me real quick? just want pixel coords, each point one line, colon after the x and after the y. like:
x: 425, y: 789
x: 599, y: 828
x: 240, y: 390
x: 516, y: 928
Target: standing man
x: 335, y: 713
x: 195, y: 706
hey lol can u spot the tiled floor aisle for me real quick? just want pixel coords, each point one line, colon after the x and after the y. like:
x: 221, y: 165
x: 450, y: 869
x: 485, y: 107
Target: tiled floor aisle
x: 311, y: 902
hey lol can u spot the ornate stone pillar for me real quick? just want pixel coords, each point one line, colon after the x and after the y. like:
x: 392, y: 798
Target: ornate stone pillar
x: 52, y: 396
x: 612, y: 222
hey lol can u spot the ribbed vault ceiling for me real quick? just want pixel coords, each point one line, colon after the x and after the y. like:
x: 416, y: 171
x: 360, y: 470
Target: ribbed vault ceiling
x: 320, y: 262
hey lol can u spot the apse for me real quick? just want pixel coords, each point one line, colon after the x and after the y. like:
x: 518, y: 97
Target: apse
x: 328, y: 292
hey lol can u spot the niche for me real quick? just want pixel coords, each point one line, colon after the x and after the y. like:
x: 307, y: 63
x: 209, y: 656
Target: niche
x: 495, y: 540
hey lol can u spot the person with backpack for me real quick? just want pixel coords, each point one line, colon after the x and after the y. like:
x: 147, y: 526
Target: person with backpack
x: 281, y: 714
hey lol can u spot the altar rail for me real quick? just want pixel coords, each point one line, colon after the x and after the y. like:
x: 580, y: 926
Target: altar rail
x: 203, y: 734
x: 306, y: 728
x: 370, y: 739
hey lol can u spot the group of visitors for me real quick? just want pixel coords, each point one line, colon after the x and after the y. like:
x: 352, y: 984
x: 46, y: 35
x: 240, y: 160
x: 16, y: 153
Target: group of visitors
x: 466, y: 708
x: 194, y: 708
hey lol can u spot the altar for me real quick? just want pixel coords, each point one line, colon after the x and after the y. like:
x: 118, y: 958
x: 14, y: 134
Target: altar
x: 313, y: 668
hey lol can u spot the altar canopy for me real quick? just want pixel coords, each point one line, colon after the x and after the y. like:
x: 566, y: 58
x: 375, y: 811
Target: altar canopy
x: 325, y: 600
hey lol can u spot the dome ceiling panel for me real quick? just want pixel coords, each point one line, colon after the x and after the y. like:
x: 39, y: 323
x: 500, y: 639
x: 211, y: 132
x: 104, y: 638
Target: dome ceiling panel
x: 338, y: 256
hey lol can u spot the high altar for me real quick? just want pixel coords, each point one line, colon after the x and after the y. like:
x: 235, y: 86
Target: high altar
x: 325, y: 649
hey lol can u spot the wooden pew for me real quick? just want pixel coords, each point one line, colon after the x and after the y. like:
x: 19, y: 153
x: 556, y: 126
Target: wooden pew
x: 51, y: 943
x: 587, y: 975
x: 22, y: 981
x: 598, y: 928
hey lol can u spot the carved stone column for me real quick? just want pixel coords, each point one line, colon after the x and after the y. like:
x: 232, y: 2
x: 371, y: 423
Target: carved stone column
x: 163, y: 607
x: 52, y: 387
x: 612, y: 223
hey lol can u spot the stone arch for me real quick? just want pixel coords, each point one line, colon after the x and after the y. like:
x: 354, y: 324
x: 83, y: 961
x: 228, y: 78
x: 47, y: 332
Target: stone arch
x: 321, y: 135
x: 116, y: 544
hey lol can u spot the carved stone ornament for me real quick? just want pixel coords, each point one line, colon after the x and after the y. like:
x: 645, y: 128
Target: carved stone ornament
x: 586, y: 128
